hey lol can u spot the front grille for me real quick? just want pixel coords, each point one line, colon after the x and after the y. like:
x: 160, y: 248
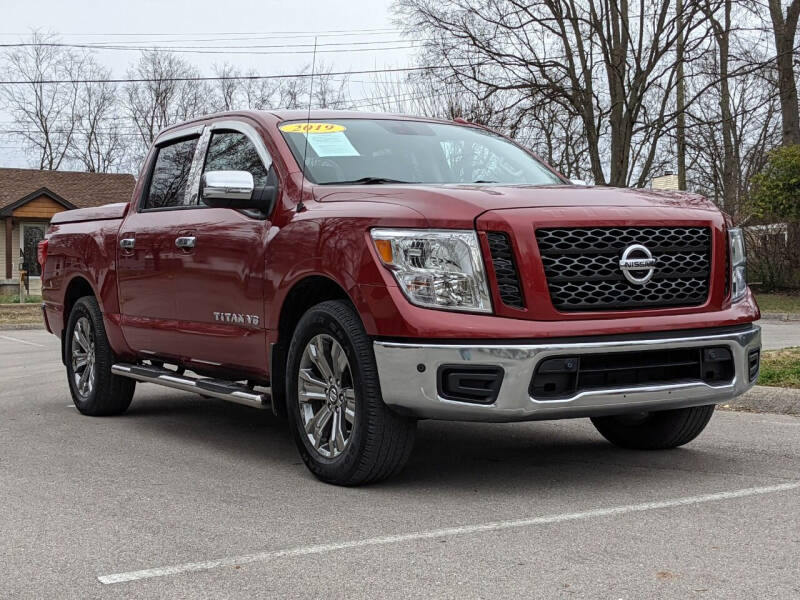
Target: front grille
x: 566, y: 376
x: 505, y: 269
x: 727, y: 289
x: 582, y: 267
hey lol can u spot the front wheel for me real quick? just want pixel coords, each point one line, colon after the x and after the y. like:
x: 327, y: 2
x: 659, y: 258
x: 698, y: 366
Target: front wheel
x: 345, y: 433
x: 655, y: 430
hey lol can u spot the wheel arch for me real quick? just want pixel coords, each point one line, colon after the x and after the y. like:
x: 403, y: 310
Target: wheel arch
x: 77, y: 288
x: 306, y: 292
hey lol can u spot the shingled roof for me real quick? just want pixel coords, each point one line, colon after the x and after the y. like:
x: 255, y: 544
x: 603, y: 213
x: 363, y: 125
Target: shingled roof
x: 78, y: 189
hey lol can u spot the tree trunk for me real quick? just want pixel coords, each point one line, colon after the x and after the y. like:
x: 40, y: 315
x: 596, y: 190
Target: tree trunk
x: 784, y: 31
x: 729, y: 184
x: 680, y: 98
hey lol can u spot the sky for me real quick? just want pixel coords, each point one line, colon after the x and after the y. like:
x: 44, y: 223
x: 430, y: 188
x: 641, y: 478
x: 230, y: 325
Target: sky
x: 195, y: 25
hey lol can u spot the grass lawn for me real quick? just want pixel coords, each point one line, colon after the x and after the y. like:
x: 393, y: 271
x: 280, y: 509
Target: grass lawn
x: 780, y: 368
x: 15, y: 299
x: 782, y: 303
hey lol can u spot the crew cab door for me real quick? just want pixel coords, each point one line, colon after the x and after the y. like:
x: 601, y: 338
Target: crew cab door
x: 220, y: 264
x: 146, y: 253
x: 191, y: 287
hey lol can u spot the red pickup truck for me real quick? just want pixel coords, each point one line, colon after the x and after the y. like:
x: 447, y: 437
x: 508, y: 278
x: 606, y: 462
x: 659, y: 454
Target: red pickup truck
x: 360, y: 272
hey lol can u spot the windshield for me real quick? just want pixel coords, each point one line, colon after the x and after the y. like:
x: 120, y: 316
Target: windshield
x: 374, y: 151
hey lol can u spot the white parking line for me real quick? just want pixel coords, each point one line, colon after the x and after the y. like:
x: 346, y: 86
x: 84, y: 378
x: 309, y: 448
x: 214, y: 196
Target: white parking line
x: 13, y: 339
x: 437, y: 533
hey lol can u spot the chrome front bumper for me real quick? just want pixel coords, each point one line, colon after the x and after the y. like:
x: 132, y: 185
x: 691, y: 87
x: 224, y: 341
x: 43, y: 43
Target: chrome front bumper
x: 410, y: 389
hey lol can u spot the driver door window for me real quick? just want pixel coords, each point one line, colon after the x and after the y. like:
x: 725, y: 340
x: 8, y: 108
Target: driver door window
x: 233, y: 151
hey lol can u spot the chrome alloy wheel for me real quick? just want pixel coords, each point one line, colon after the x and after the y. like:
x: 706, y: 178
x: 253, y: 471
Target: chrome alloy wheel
x: 83, y: 357
x: 326, y: 396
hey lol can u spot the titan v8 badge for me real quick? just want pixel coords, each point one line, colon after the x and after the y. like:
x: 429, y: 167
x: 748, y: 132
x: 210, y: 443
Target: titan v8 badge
x: 236, y: 318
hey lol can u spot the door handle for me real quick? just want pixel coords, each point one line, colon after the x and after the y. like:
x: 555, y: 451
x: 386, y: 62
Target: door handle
x: 185, y: 242
x: 127, y: 243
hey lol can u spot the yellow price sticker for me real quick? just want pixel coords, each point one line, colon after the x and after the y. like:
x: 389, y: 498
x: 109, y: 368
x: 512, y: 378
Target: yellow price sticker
x: 312, y: 128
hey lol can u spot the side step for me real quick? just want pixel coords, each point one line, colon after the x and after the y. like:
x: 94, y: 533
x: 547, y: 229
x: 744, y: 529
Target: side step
x: 216, y: 388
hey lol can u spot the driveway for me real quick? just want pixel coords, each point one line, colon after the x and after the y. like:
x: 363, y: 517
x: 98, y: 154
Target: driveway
x: 187, y: 497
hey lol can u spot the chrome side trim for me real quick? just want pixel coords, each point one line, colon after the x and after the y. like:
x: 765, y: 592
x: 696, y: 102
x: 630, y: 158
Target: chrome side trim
x: 192, y: 191
x: 162, y: 138
x: 407, y: 389
x: 235, y: 393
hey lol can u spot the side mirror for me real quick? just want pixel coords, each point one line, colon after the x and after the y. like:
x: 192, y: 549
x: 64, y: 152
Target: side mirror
x: 235, y: 189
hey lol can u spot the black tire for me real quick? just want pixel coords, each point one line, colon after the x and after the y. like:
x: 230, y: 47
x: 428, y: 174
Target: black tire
x: 109, y: 394
x: 655, y: 430
x: 380, y: 440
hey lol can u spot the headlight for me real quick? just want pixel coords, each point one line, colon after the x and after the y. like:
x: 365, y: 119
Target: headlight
x: 436, y: 268
x: 738, y: 264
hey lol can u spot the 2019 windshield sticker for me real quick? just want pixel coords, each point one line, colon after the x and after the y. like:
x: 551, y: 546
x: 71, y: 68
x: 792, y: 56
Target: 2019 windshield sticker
x: 312, y: 128
x: 335, y: 144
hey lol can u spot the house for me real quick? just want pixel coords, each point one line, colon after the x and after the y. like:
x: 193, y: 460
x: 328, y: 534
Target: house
x: 667, y: 181
x: 28, y: 200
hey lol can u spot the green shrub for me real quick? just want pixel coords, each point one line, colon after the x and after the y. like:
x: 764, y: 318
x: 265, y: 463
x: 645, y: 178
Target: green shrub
x: 775, y: 194
x: 776, y: 189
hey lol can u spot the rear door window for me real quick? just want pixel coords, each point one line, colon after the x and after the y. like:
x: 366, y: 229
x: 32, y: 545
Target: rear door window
x: 170, y: 175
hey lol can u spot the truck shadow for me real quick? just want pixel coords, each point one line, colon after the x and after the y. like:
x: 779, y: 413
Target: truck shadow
x: 537, y: 455
x: 447, y: 456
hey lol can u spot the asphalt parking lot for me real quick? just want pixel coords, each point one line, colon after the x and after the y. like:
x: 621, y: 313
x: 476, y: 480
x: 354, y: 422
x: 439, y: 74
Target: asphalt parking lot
x: 185, y: 497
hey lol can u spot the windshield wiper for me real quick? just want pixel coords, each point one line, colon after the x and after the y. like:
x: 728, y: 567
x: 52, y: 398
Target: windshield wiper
x: 367, y: 181
x: 484, y: 181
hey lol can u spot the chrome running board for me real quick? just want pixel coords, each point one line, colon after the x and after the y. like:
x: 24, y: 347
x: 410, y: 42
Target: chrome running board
x: 215, y: 388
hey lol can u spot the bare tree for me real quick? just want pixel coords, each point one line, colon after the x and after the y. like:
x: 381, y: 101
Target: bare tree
x: 226, y: 90
x: 722, y: 36
x: 45, y: 113
x: 547, y: 128
x: 609, y: 64
x: 167, y: 92
x: 259, y: 94
x: 329, y: 91
x: 784, y: 29
x: 98, y: 143
x: 751, y: 120
x: 680, y: 97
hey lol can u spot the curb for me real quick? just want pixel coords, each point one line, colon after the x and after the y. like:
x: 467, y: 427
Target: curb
x: 765, y: 399
x: 774, y: 316
x: 20, y: 326
x: 23, y: 306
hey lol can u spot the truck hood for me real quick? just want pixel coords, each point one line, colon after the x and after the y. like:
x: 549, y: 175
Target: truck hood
x: 466, y: 202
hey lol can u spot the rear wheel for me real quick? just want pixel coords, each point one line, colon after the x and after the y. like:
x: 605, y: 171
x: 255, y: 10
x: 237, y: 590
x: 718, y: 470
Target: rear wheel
x: 655, y: 430
x: 95, y: 390
x: 345, y: 433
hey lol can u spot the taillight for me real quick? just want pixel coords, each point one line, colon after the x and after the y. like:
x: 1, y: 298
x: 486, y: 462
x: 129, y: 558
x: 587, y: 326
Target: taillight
x: 41, y: 253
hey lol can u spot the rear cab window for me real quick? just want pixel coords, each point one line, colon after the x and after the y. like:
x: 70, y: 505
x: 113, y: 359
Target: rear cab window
x: 170, y: 175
